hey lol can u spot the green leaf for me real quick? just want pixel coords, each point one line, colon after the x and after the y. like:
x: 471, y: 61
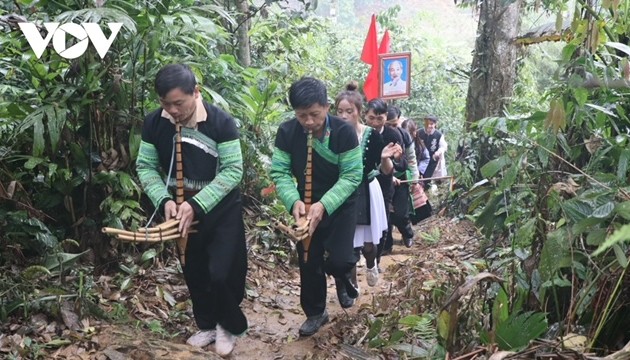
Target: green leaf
x: 576, y: 209
x: 62, y: 260
x: 555, y: 253
x: 622, y: 166
x: 602, y: 109
x: 396, y: 336
x: 488, y: 219
x: 620, y: 235
x: 375, y: 329
x: 604, y: 211
x: 623, y: 210
x: 501, y: 307
x: 621, y: 256
x: 32, y: 162
x: 511, y: 174
x: 57, y: 343
x: 148, y: 255
x: 596, y: 237
x: 581, y: 95
x: 619, y: 46
x: 377, y: 342
x: 525, y: 233
x: 56, y: 121
x: 126, y: 284
x: 38, y: 137
x: 494, y: 166
x: 443, y: 324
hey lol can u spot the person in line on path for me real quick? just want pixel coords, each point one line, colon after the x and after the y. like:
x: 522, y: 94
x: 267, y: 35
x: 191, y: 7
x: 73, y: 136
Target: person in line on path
x: 437, y: 146
x: 401, y: 201
x: 337, y: 171
x: 377, y: 159
x: 216, y: 257
x: 421, y: 208
x: 376, y: 117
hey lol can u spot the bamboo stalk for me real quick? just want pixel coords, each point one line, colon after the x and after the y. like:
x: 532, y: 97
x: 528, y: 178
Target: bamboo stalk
x: 426, y: 179
x: 308, y: 189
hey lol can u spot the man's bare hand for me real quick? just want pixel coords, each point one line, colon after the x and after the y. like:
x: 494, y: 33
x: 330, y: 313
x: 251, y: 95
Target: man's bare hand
x: 170, y: 210
x: 315, y: 214
x: 299, y: 210
x: 185, y: 215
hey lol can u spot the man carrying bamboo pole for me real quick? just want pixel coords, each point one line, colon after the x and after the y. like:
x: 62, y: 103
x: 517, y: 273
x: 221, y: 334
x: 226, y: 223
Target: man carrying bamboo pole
x: 216, y: 258
x: 327, y: 173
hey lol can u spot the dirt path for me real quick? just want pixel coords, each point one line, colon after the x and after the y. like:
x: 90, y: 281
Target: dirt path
x: 273, y: 310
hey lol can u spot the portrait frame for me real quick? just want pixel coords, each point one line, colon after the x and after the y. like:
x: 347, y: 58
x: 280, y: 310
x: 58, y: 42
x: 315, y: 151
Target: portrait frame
x: 388, y: 88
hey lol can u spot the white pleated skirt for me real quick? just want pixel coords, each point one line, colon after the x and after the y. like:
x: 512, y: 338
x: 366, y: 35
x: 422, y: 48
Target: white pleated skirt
x: 378, y: 219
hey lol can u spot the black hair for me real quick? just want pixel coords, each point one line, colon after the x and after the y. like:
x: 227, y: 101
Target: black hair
x: 393, y: 112
x: 412, y: 127
x: 378, y: 106
x: 431, y: 118
x: 175, y: 76
x: 307, y: 92
x: 351, y: 95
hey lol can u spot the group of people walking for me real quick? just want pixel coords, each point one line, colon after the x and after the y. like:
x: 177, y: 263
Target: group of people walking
x: 363, y: 170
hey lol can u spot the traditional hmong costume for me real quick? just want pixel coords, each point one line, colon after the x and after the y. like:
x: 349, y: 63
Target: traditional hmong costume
x: 337, y: 171
x: 401, y: 201
x: 216, y: 257
x: 371, y: 211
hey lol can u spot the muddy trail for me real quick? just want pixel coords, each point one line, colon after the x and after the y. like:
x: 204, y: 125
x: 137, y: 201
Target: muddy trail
x: 159, y: 317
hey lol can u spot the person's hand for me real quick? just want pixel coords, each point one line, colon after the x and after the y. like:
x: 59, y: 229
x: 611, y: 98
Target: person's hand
x: 170, y: 210
x: 436, y: 156
x: 399, y: 152
x: 315, y: 214
x: 396, y: 181
x: 299, y: 210
x: 391, y: 150
x: 185, y: 215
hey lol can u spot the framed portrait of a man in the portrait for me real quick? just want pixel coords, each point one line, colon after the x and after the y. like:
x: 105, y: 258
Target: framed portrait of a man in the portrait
x: 395, y: 76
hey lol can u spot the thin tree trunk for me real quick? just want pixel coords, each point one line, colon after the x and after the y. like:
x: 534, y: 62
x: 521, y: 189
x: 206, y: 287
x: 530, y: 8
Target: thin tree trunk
x: 244, y: 56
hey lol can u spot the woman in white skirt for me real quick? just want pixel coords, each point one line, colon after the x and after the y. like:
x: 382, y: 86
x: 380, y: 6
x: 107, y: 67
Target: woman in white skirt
x: 371, y: 213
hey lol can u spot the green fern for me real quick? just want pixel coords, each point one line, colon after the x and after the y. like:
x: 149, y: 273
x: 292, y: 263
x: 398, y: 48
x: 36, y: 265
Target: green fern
x: 518, y: 330
x: 422, y: 326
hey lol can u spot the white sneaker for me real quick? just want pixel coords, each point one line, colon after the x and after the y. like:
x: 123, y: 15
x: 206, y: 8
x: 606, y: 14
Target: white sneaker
x: 225, y: 342
x: 202, y: 338
x: 372, y: 275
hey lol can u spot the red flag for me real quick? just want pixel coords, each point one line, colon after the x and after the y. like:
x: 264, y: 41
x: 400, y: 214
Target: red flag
x: 371, y: 85
x: 385, y: 46
x: 369, y: 55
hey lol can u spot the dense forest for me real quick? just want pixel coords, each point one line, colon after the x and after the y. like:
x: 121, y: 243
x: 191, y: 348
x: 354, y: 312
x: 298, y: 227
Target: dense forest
x: 532, y: 97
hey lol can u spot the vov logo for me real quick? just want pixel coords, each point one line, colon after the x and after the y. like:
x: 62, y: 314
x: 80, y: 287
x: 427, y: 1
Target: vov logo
x: 84, y: 33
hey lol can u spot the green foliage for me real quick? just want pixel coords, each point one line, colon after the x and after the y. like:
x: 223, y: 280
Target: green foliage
x: 558, y: 188
x: 515, y: 332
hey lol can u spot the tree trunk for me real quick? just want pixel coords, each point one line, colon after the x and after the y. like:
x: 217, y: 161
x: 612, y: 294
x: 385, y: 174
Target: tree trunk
x: 244, y: 57
x: 494, y: 61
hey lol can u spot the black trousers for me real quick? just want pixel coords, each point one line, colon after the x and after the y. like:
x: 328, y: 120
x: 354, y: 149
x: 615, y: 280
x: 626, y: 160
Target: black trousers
x: 331, y: 252
x: 216, y: 266
x: 399, y: 217
x: 429, y: 172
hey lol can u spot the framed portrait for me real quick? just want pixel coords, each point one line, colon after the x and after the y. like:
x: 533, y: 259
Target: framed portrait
x: 395, y: 76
